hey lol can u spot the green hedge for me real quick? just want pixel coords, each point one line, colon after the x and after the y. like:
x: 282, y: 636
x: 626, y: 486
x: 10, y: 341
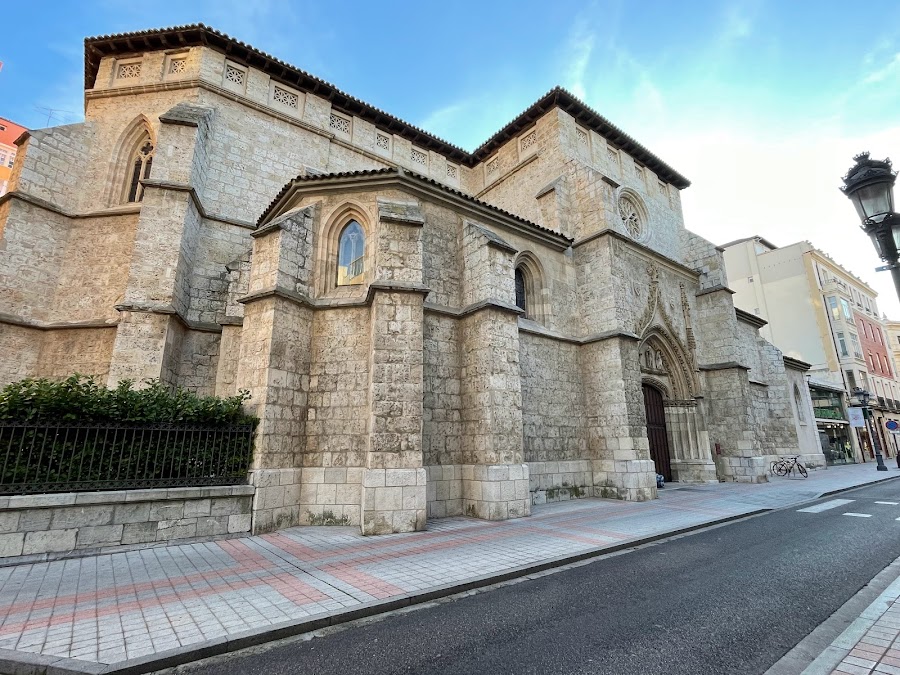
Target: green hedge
x: 80, y: 399
x: 74, y: 434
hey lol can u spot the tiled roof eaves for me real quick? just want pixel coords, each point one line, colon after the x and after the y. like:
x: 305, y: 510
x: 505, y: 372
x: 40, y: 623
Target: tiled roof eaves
x: 201, y: 35
x: 325, y: 178
x: 587, y: 116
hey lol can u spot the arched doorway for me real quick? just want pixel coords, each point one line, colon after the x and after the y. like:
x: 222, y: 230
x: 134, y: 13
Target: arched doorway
x: 656, y: 430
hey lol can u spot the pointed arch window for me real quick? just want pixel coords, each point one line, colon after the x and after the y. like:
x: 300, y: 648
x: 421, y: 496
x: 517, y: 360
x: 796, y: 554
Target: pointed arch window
x: 520, y: 289
x: 351, y: 255
x: 140, y: 170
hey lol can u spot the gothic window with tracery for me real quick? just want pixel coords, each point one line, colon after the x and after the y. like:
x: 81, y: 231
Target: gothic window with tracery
x: 140, y: 170
x: 351, y: 255
x: 631, y: 217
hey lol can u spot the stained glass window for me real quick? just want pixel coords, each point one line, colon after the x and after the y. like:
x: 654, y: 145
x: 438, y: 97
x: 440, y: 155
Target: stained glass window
x: 351, y: 250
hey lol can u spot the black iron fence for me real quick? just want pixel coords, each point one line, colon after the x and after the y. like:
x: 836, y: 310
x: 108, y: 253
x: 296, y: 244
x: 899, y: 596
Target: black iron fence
x: 69, y: 457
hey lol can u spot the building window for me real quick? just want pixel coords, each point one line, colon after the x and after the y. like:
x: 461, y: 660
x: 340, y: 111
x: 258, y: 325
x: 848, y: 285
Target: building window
x: 832, y: 303
x: 351, y: 251
x: 285, y: 97
x: 128, y: 71
x: 140, y: 170
x: 520, y: 289
x: 846, y: 307
x: 843, y: 344
x: 857, y: 352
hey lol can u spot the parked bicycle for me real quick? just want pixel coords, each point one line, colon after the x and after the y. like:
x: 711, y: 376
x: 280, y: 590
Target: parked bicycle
x: 786, y: 465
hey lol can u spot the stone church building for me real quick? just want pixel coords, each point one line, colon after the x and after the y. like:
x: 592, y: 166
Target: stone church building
x: 425, y: 331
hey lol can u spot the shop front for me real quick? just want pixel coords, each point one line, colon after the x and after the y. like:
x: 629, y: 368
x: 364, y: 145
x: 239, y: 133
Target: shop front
x: 835, y: 433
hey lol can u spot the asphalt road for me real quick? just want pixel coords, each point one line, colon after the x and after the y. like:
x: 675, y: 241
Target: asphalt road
x: 731, y: 599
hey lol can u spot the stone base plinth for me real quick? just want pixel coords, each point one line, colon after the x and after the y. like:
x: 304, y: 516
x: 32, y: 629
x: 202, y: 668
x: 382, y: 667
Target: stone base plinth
x: 444, y: 491
x: 496, y: 491
x: 560, y: 481
x: 393, y: 501
x: 628, y: 479
x: 276, y: 504
x: 694, y: 471
x: 743, y: 469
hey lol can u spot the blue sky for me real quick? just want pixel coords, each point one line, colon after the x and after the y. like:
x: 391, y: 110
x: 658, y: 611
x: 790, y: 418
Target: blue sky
x: 760, y: 103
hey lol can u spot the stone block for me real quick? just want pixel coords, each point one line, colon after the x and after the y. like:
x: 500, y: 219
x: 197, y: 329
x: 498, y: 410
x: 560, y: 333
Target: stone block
x: 313, y: 475
x: 498, y: 473
x: 388, y: 498
x: 414, y: 497
x: 11, y: 544
x: 212, y: 526
x: 229, y: 506
x: 49, y: 541
x: 146, y: 495
x: 110, y: 497
x: 326, y: 494
x: 348, y: 494
x: 102, y: 535
x: 196, y: 508
x: 37, y: 501
x: 131, y: 513
x: 166, y: 511
x: 9, y: 521
x: 81, y: 516
x: 34, y: 520
x: 335, y: 476
x: 239, y: 523
x: 139, y: 533
x: 373, y: 478
x: 182, y: 528
x: 400, y: 477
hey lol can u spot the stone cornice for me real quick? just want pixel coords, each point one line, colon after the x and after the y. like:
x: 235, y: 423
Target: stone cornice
x: 536, y: 329
x: 125, y: 209
x: 335, y: 303
x: 796, y: 364
x: 481, y: 305
x: 12, y: 320
x: 727, y: 365
x: 665, y: 260
x: 54, y: 208
x: 169, y: 310
x: 186, y: 187
x: 747, y: 317
x: 713, y: 289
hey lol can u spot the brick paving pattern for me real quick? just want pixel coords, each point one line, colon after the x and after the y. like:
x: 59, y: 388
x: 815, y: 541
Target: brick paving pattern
x: 113, y: 607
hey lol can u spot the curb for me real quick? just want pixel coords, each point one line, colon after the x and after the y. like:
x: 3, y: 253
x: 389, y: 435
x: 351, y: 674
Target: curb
x: 22, y: 663
x: 856, y: 487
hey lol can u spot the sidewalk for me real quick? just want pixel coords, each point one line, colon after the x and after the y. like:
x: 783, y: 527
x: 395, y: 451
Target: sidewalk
x: 871, y: 643
x: 158, y: 607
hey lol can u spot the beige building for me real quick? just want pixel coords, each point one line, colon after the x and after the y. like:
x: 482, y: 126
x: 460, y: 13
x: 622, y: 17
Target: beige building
x: 424, y: 330
x: 819, y: 312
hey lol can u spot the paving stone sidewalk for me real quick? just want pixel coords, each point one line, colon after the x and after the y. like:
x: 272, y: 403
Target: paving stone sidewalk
x: 870, y: 644
x: 134, y: 609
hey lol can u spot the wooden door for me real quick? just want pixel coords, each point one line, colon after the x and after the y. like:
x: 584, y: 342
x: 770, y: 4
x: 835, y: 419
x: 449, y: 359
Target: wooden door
x: 656, y: 431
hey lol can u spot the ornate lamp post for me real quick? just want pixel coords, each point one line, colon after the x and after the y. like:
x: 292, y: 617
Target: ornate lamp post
x: 869, y: 185
x: 863, y: 396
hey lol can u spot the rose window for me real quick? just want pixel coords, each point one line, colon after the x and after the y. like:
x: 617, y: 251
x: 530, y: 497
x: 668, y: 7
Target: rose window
x: 631, y: 217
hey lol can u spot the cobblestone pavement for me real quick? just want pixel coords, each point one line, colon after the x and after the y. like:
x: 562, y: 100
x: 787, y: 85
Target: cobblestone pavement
x: 121, y: 606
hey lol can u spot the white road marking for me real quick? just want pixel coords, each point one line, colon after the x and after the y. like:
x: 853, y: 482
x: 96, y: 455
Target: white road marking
x: 824, y: 506
x: 888, y: 503
x: 859, y: 515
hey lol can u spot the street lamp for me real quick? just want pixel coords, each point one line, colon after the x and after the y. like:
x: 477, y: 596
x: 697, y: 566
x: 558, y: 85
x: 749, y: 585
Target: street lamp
x: 863, y: 396
x: 869, y: 185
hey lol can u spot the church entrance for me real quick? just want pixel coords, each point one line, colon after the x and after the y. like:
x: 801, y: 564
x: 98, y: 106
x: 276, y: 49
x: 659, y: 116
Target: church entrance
x: 656, y: 431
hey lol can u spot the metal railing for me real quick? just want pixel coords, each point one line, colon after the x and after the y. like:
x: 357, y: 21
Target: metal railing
x: 67, y: 457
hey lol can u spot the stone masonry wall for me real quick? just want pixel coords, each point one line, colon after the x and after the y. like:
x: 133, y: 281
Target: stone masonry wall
x: 41, y: 527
